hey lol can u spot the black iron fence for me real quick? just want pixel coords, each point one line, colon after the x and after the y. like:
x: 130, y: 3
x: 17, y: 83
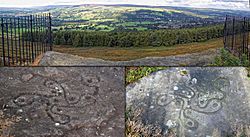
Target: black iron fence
x: 236, y: 36
x: 24, y: 38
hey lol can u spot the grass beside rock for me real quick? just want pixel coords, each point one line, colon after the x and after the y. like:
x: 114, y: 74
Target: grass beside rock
x: 135, y: 73
x: 229, y: 60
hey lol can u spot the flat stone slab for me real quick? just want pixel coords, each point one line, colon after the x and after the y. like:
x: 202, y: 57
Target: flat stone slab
x: 196, y: 59
x: 193, y: 101
x: 63, y: 101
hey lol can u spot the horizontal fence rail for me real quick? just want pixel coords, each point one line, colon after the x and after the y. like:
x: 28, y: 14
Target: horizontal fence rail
x: 236, y: 36
x: 23, y: 38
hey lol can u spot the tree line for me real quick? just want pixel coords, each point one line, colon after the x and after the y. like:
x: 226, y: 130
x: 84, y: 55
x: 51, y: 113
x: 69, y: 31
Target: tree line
x: 164, y: 37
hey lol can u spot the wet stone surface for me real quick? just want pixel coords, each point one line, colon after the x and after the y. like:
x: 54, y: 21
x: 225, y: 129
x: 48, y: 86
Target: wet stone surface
x: 193, y: 101
x: 67, y: 102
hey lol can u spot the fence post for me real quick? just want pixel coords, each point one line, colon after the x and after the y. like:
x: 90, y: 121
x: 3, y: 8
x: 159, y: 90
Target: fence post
x: 3, y: 48
x: 23, y: 43
x: 46, y: 32
x: 233, y: 34
x: 26, y: 41
x: 225, y: 33
x: 36, y: 37
x: 19, y: 41
x: 8, y: 43
x: 31, y: 33
x: 243, y: 37
x: 248, y: 29
x: 50, y: 32
x: 42, y: 31
x: 11, y: 41
x: 39, y: 34
x: 15, y: 40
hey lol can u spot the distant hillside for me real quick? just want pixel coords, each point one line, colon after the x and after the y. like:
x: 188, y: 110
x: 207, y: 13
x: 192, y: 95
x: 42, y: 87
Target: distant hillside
x: 127, y: 17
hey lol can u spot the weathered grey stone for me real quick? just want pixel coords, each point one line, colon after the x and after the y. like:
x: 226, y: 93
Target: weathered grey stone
x: 67, y: 102
x: 196, y: 59
x: 193, y: 101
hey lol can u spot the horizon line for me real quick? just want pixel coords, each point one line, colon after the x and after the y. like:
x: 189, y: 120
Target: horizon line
x: 72, y: 4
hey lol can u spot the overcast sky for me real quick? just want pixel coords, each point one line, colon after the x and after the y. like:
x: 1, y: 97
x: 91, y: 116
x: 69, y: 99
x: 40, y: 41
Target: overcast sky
x: 222, y: 4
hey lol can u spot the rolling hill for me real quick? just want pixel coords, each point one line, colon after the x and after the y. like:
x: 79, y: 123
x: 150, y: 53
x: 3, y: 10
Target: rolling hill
x: 126, y: 17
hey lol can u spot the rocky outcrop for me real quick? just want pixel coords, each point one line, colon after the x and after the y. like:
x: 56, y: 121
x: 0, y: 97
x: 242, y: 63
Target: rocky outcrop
x: 193, y: 101
x: 63, y: 102
x: 195, y: 59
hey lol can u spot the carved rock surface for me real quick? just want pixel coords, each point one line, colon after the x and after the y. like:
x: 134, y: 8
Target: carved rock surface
x: 193, y: 101
x: 64, y: 101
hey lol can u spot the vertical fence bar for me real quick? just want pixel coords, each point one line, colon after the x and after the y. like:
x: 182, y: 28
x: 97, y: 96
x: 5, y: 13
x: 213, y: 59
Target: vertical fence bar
x: 247, y: 39
x: 35, y: 38
x: 39, y: 34
x: 23, y: 43
x: 16, y: 57
x: 8, y: 43
x: 46, y: 32
x: 225, y: 33
x: 23, y: 36
x: 28, y: 39
x: 24, y: 40
x: 244, y: 36
x: 19, y: 41
x: 241, y: 37
x: 233, y: 33
x: 42, y: 46
x: 3, y: 45
x: 50, y: 32
x: 44, y: 35
x: 31, y: 33
x: 238, y: 29
x: 11, y: 41
x: 248, y: 29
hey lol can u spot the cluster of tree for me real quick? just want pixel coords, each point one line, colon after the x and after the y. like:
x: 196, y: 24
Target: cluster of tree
x: 164, y: 37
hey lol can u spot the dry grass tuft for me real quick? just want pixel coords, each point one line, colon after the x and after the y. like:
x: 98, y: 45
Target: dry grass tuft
x: 135, y: 127
x: 241, y: 131
x: 37, y: 60
x: 6, y: 123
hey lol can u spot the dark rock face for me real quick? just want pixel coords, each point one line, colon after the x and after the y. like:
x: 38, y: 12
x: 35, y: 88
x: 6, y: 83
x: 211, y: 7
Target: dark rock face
x: 193, y: 101
x: 68, y: 102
